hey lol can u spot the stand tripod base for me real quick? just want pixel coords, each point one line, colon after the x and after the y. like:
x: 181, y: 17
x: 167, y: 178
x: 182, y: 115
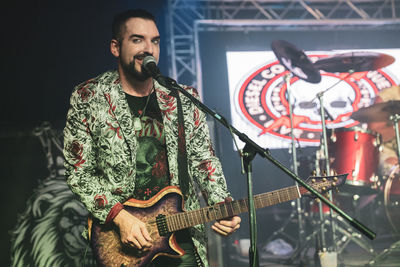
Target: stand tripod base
x: 343, y: 239
x: 327, y: 259
x: 378, y: 259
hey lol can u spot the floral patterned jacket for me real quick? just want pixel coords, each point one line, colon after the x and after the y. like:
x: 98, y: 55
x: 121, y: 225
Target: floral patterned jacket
x: 100, y: 149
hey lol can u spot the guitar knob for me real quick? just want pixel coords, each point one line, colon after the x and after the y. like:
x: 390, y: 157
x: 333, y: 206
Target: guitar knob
x: 324, y: 179
x: 317, y: 200
x: 313, y: 180
x: 335, y: 179
x: 333, y: 184
x: 323, y: 188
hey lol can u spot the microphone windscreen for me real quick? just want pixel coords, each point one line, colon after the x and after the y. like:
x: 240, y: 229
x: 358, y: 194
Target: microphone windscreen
x: 149, y: 59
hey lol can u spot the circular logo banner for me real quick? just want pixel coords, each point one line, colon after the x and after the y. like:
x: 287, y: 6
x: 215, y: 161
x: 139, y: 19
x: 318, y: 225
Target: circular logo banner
x: 262, y: 99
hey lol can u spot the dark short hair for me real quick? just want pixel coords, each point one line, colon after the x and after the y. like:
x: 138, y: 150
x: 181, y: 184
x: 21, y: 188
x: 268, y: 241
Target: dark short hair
x: 118, y: 25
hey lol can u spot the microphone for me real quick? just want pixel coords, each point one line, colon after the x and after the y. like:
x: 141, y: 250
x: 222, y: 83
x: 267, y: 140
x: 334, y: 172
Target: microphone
x: 150, y: 66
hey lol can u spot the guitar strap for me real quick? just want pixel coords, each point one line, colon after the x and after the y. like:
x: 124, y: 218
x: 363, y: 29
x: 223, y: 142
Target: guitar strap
x: 183, y: 172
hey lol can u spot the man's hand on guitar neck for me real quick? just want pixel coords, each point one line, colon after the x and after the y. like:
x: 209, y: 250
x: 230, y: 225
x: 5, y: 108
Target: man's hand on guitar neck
x: 227, y: 226
x: 133, y: 231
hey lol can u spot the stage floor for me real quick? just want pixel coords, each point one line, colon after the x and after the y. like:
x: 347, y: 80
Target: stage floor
x: 386, y: 252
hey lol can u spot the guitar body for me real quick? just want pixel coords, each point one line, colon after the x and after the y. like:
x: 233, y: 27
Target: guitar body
x: 106, y: 243
x: 164, y: 214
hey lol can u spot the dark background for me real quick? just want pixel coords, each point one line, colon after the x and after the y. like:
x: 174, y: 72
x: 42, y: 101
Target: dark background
x: 47, y: 48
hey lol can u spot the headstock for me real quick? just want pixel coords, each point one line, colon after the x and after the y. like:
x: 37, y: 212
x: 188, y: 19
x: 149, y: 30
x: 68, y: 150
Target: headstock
x: 323, y: 184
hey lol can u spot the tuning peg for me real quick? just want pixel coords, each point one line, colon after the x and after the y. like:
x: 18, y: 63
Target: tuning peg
x: 314, y: 173
x: 324, y: 179
x: 313, y: 181
x: 323, y: 188
x: 335, y: 179
x: 333, y: 184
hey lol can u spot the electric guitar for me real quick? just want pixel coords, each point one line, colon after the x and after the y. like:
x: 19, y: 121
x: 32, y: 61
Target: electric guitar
x: 164, y: 214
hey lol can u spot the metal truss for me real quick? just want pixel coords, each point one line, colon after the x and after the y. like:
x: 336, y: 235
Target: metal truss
x: 183, y: 15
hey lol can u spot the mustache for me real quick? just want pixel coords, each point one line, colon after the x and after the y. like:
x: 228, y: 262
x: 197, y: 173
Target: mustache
x: 142, y: 56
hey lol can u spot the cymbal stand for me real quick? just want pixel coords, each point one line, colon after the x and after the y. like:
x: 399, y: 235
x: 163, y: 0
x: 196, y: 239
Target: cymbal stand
x: 297, y: 203
x: 346, y: 231
x: 395, y: 118
x: 320, y: 96
x: 324, y: 144
x: 294, y: 159
x: 319, y: 232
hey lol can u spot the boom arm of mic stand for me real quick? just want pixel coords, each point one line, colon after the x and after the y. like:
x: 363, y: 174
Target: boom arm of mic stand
x: 265, y: 153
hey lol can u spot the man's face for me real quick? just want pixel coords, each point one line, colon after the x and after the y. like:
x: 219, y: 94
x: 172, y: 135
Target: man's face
x: 141, y: 37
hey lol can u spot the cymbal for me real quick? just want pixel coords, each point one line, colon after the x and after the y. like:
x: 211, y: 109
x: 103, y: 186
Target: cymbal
x: 379, y: 112
x: 391, y: 93
x: 295, y: 61
x: 354, y: 62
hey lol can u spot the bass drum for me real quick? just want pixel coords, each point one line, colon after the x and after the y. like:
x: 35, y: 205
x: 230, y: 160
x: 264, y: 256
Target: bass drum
x: 392, y: 199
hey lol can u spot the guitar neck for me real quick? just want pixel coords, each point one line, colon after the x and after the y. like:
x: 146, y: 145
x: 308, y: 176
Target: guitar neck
x: 187, y: 219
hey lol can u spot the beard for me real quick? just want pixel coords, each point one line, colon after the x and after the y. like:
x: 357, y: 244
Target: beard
x: 130, y: 70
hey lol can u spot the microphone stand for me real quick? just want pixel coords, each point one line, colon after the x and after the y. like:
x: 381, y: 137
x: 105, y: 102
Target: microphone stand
x: 250, y: 150
x: 247, y: 156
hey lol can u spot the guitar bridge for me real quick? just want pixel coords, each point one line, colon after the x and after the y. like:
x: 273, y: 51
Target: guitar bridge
x: 162, y: 226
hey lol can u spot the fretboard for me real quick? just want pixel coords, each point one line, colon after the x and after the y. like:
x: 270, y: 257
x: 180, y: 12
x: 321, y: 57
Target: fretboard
x: 187, y: 219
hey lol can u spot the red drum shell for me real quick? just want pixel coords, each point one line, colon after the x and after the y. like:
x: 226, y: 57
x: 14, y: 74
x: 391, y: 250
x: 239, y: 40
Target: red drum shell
x: 354, y: 151
x: 315, y: 208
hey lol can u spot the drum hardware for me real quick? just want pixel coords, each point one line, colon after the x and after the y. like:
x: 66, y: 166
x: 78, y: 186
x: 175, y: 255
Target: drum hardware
x: 328, y: 64
x: 299, y: 65
x: 349, y: 235
x: 387, y: 112
x: 392, y: 199
x: 324, y: 144
x: 375, y: 182
x: 336, y: 222
x: 382, y: 112
x: 356, y: 137
x: 377, y: 260
x: 348, y: 62
x: 392, y: 210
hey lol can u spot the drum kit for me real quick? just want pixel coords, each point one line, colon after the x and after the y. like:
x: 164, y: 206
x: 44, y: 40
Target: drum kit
x: 353, y: 150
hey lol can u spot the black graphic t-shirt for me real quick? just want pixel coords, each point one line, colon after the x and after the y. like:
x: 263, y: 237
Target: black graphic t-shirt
x: 152, y: 172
